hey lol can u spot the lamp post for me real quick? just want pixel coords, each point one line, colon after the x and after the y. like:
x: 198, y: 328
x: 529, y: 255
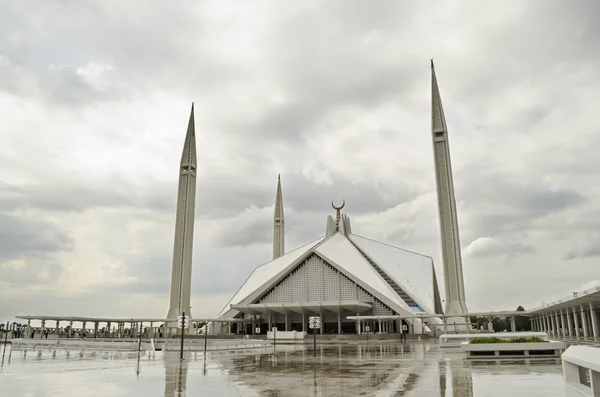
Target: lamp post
x: 182, y: 326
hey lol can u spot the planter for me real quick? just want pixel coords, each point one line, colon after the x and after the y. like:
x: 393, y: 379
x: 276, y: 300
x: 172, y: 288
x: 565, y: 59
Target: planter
x: 513, y: 350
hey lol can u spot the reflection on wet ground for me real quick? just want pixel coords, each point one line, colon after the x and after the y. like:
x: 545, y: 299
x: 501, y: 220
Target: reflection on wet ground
x: 377, y: 369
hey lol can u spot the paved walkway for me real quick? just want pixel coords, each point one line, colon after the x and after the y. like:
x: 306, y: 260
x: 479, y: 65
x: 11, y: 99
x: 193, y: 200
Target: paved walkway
x: 378, y: 369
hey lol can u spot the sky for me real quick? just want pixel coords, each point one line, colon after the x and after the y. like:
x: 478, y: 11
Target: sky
x: 333, y: 95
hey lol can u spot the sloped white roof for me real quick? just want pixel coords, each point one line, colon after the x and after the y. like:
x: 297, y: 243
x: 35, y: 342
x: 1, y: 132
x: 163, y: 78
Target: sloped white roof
x: 411, y: 271
x: 266, y: 272
x: 339, y: 250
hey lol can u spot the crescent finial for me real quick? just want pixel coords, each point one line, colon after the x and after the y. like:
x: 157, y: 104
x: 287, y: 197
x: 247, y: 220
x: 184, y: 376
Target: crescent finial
x: 340, y: 207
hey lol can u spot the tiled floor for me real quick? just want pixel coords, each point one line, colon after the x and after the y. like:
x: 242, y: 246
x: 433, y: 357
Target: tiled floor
x: 376, y: 369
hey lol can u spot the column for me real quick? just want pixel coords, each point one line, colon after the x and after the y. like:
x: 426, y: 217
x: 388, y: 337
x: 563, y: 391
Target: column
x: 445, y: 325
x: 95, y: 329
x: 270, y: 324
x: 57, y: 327
x: 594, y: 318
x: 253, y: 325
x: 321, y: 331
x: 576, y: 318
x: 379, y: 325
x: 562, y: 324
x: 303, y: 322
x: 357, y: 325
x: 584, y: 322
x: 547, y: 324
x: 43, y: 327
x: 555, y: 315
x: 513, y: 325
x: 339, y: 322
x: 569, y: 323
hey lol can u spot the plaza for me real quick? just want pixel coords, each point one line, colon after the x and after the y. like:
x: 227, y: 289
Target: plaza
x: 376, y: 368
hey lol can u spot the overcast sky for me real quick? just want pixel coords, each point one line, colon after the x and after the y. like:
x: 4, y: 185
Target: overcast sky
x: 335, y: 96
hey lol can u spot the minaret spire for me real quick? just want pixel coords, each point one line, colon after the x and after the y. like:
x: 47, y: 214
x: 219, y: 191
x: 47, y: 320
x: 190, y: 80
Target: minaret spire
x: 181, y: 277
x: 278, y: 223
x: 453, y: 272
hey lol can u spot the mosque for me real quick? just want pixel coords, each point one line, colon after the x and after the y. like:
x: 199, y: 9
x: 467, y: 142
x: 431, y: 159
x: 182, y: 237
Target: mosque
x: 343, y: 275
x: 352, y: 283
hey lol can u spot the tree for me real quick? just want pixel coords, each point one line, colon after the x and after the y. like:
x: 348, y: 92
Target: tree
x: 522, y: 323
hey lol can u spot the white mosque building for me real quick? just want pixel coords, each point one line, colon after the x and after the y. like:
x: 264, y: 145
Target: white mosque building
x: 343, y: 275
x: 337, y: 277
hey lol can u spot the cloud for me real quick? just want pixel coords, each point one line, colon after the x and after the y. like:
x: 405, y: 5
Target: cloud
x: 589, y: 248
x: 487, y: 246
x: 22, y: 237
x: 333, y: 96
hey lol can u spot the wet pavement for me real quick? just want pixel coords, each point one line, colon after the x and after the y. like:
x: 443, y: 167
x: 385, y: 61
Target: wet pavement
x: 377, y: 369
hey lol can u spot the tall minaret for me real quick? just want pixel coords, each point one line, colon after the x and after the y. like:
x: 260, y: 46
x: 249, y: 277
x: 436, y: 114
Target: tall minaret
x: 453, y: 273
x: 181, y: 277
x: 278, y: 224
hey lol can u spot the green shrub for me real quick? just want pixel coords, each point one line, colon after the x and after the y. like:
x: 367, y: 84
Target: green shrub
x: 486, y: 340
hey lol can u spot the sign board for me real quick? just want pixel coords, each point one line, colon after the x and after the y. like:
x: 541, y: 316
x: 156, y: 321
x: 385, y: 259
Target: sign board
x: 314, y: 322
x: 367, y: 328
x: 182, y: 322
x: 258, y: 330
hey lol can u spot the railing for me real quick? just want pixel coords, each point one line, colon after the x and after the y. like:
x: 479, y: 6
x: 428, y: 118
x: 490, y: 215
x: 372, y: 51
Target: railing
x: 84, y: 344
x: 146, y: 345
x: 215, y: 344
x: 574, y: 296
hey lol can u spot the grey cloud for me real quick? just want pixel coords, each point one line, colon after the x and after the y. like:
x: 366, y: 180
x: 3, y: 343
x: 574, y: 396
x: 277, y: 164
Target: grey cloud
x: 245, y: 232
x: 589, y: 248
x: 507, y: 250
x: 337, y: 55
x: 81, y: 195
x: 22, y: 237
x: 498, y: 205
x: 214, y: 270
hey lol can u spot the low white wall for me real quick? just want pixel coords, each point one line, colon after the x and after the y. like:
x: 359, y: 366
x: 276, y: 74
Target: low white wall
x: 286, y: 335
x: 502, y: 335
x: 581, y: 367
x: 513, y: 346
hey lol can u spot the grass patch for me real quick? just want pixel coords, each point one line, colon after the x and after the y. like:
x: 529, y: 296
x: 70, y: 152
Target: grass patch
x: 494, y: 339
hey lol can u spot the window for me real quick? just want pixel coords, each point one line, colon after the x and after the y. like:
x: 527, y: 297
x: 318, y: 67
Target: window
x: 584, y: 376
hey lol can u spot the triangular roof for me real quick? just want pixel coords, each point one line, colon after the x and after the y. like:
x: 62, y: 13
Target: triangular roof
x: 413, y: 272
x: 339, y: 252
x: 268, y: 272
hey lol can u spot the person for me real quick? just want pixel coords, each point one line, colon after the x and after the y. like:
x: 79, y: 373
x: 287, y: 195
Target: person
x: 404, y: 331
